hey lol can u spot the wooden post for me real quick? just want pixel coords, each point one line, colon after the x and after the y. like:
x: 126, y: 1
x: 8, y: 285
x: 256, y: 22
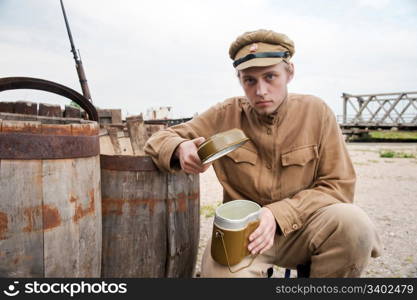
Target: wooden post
x: 137, y: 133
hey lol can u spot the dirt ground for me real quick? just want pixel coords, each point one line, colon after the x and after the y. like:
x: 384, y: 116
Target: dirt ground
x: 386, y: 189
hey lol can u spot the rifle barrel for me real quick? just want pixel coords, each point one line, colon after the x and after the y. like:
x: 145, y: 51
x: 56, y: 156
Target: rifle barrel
x: 78, y: 63
x: 69, y: 32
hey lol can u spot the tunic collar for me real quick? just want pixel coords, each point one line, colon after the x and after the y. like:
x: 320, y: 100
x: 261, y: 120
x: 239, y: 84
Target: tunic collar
x: 276, y: 116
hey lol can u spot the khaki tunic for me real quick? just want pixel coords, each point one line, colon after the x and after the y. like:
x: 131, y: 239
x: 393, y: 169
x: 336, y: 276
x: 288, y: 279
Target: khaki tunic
x: 295, y: 163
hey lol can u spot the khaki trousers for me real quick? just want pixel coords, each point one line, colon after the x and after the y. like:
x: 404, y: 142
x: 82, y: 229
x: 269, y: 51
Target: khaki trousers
x: 338, y: 240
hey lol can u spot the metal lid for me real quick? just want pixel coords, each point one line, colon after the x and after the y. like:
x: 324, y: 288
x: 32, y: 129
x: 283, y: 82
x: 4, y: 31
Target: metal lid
x: 220, y: 144
x: 236, y: 214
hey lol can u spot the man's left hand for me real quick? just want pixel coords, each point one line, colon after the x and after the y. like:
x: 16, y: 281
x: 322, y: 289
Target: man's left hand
x: 262, y: 238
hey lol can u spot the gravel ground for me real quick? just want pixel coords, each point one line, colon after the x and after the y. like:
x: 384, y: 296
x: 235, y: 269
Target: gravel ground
x: 386, y: 189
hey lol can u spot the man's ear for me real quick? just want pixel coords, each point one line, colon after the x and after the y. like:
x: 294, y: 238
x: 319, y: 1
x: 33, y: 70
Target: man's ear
x: 290, y: 71
x: 238, y: 77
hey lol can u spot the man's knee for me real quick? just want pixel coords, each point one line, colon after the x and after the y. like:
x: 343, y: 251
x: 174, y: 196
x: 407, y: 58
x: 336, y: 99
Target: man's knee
x: 352, y: 227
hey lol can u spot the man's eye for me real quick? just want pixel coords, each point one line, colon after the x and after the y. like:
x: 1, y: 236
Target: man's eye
x: 249, y: 81
x: 270, y: 76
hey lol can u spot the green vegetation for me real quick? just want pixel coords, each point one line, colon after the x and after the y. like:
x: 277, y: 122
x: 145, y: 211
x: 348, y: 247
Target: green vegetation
x: 396, y: 135
x: 365, y: 150
x: 208, y: 210
x: 394, y: 154
x: 357, y: 163
x: 75, y: 105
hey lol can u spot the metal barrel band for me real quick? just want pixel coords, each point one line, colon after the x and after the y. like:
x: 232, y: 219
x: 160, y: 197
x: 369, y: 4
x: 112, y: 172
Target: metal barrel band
x: 38, y: 146
x: 221, y: 234
x: 14, y: 83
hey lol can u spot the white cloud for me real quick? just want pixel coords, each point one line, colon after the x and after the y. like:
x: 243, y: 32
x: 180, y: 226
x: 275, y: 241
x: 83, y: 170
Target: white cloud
x: 378, y: 4
x: 139, y: 54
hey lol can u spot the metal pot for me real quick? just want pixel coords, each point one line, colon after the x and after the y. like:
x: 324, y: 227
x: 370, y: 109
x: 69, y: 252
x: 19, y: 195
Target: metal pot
x: 234, y: 221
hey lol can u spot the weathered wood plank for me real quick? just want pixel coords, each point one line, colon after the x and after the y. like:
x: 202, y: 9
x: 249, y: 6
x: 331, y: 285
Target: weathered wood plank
x: 73, y: 240
x: 183, y: 224
x: 61, y: 235
x: 49, y: 110
x: 151, y: 129
x: 137, y: 133
x: 21, y: 236
x: 106, y: 146
x: 114, y: 140
x: 7, y: 107
x: 26, y: 108
x: 88, y: 214
x: 72, y: 112
x: 21, y: 126
x: 134, y: 224
x: 125, y: 146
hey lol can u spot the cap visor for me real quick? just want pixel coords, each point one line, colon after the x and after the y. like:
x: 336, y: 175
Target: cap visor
x: 259, y: 62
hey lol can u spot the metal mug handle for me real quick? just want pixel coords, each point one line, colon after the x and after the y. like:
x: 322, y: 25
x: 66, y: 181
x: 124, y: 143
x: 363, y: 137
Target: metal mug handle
x: 220, y: 234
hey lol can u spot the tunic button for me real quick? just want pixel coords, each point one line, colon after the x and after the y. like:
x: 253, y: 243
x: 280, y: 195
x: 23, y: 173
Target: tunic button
x: 295, y: 226
x: 269, y: 166
x: 269, y: 131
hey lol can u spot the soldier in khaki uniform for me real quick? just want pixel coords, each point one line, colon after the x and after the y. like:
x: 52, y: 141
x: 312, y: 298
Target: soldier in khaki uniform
x: 296, y: 166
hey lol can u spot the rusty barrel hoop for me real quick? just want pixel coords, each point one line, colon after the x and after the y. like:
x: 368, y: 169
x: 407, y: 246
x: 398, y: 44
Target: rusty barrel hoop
x: 37, y: 146
x: 15, y: 83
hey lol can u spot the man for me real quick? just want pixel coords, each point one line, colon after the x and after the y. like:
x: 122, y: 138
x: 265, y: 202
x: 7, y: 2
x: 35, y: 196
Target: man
x: 296, y: 166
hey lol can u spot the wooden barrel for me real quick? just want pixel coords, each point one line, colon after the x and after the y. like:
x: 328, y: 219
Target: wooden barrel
x: 150, y: 219
x: 50, y: 200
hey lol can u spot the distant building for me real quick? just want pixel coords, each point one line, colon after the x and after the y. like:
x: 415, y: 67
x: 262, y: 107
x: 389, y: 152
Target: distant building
x: 159, y: 113
x: 110, y: 116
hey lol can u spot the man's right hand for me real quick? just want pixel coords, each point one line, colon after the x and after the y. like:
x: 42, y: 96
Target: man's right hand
x: 190, y: 162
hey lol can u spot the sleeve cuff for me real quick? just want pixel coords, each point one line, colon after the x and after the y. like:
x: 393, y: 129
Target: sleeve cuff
x: 285, y: 216
x: 167, y: 151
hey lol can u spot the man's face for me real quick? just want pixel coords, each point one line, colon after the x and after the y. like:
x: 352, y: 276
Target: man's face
x: 265, y: 87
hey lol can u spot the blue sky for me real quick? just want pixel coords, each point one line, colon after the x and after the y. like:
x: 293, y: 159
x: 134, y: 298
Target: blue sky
x: 141, y: 54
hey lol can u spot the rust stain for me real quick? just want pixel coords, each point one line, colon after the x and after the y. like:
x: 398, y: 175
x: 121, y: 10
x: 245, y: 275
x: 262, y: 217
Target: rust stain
x: 170, y: 204
x: 21, y: 126
x: 55, y: 129
x: 73, y: 199
x: 182, y: 202
x: 31, y: 214
x: 3, y: 225
x: 81, y: 212
x: 51, y: 217
x: 194, y: 196
x: 15, y: 260
x: 84, y: 129
x: 149, y: 203
x: 111, y: 206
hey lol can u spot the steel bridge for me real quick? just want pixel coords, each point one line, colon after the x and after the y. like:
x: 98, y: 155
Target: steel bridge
x: 378, y: 111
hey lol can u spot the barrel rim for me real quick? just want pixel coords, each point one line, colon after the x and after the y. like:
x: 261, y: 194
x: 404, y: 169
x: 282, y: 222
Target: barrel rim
x: 6, y: 116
